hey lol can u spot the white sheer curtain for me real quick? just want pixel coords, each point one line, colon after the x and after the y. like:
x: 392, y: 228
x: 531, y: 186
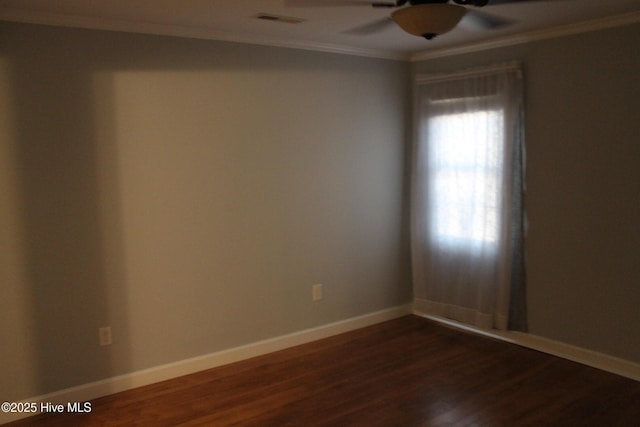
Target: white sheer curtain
x: 467, y: 215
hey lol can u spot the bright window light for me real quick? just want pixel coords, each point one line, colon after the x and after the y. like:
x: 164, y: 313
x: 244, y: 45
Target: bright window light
x: 465, y: 158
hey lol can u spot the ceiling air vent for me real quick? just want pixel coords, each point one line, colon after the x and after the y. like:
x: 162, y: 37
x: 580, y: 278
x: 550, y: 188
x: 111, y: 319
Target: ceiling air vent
x: 278, y: 18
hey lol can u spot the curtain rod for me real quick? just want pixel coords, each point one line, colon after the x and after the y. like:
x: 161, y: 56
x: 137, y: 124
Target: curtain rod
x: 513, y: 66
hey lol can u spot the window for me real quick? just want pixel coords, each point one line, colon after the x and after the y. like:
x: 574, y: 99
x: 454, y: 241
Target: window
x: 465, y: 157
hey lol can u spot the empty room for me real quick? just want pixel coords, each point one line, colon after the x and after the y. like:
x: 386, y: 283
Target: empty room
x: 308, y: 212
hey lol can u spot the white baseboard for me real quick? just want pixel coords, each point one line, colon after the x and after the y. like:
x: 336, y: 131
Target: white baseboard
x: 581, y: 355
x: 120, y: 383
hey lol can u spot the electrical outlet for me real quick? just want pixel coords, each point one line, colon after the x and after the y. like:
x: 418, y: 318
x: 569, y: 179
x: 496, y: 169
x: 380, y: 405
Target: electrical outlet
x: 316, y: 292
x: 105, y: 336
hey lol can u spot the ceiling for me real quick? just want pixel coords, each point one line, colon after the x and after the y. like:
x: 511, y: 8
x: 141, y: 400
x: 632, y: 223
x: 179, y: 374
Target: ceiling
x: 324, y: 28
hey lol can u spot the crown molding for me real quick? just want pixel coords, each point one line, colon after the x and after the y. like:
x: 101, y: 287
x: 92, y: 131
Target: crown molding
x: 532, y: 36
x: 96, y: 23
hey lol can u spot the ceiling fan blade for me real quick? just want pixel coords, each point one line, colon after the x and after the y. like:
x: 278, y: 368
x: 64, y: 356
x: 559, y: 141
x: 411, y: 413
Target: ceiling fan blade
x: 334, y: 3
x: 476, y: 20
x: 371, y: 27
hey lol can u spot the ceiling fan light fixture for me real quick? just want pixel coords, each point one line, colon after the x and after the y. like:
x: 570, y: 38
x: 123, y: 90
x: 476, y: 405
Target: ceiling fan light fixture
x: 428, y: 20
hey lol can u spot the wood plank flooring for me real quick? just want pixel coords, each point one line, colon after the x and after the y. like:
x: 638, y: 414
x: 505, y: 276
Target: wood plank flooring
x: 406, y: 372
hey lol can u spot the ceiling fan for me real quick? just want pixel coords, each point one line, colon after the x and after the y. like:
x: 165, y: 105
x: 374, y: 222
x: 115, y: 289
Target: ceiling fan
x: 423, y: 18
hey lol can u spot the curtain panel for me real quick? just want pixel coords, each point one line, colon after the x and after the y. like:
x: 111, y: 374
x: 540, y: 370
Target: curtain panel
x: 467, y: 213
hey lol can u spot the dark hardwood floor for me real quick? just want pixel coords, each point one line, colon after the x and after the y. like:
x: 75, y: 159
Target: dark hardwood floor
x: 406, y: 372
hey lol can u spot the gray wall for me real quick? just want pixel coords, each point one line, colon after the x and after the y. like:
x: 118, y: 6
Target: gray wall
x: 583, y: 179
x: 188, y: 193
